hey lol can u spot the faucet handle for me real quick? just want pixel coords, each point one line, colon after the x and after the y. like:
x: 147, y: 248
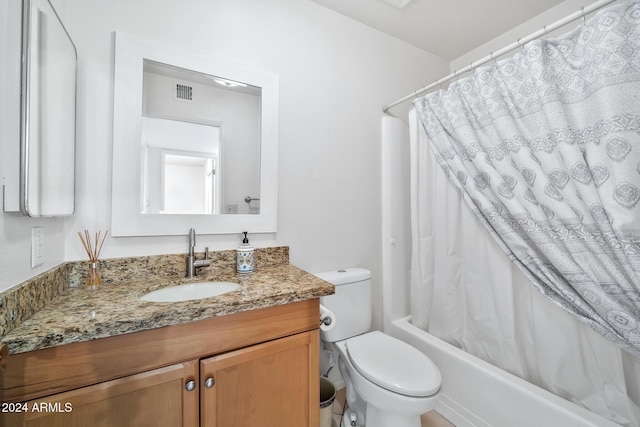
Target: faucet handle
x: 202, y: 262
x: 192, y: 237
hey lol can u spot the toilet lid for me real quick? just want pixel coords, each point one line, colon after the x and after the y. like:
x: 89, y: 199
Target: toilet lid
x: 393, y: 364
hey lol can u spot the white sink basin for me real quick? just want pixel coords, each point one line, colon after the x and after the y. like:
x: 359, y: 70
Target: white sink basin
x: 190, y: 291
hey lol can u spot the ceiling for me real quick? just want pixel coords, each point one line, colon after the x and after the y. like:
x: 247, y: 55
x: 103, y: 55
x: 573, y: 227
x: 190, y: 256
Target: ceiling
x: 447, y: 28
x: 167, y: 70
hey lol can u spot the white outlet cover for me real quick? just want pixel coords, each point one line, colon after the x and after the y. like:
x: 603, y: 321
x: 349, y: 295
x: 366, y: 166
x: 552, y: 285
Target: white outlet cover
x: 37, y: 246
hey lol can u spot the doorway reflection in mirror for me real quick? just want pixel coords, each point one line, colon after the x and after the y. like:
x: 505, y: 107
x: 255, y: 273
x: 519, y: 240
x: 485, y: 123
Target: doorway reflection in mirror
x: 180, y: 167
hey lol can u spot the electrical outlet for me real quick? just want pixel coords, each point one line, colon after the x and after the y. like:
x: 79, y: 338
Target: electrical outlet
x: 37, y: 246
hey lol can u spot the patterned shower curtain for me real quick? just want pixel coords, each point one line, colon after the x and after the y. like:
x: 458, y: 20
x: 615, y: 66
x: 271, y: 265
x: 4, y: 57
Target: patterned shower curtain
x: 545, y: 147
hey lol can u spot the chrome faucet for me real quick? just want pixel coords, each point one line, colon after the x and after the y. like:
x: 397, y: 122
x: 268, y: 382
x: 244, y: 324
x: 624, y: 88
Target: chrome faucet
x: 192, y: 263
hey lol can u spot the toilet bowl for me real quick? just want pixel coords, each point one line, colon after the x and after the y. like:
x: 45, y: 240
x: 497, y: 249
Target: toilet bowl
x: 396, y: 382
x: 388, y: 382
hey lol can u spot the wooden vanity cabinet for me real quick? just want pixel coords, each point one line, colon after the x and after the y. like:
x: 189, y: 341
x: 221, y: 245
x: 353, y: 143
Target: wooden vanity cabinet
x: 263, y: 385
x: 149, y: 399
x: 256, y: 368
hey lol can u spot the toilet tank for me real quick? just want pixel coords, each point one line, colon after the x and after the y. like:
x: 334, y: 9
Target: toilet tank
x: 351, y: 304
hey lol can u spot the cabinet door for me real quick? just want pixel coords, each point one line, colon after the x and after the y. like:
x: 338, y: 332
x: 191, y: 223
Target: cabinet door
x: 154, y: 398
x: 274, y: 384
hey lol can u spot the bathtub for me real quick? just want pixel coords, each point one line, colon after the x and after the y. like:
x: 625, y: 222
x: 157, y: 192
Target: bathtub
x: 476, y: 393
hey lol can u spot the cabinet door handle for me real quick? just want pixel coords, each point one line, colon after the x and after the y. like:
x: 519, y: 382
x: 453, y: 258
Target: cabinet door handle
x: 190, y: 385
x: 209, y: 382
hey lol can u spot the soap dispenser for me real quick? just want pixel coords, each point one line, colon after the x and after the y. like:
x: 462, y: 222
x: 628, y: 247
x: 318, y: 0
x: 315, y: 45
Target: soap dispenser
x: 244, y: 256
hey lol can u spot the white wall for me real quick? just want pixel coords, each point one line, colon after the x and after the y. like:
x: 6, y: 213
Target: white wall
x: 335, y: 75
x: 15, y: 247
x: 549, y: 17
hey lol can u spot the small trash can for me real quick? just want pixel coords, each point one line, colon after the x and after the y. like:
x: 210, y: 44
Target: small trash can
x: 327, y: 396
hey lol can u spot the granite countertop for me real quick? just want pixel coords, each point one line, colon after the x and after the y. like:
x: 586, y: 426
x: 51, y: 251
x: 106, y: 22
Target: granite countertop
x: 81, y: 315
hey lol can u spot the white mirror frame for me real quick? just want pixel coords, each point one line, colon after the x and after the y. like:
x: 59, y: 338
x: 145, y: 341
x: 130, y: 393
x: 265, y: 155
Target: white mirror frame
x: 126, y: 218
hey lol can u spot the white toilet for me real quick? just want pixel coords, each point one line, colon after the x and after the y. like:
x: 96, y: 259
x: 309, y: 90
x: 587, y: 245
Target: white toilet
x: 389, y: 383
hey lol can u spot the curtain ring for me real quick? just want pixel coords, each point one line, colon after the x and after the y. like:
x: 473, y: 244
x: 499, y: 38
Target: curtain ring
x: 583, y: 18
x: 520, y: 46
x: 491, y: 58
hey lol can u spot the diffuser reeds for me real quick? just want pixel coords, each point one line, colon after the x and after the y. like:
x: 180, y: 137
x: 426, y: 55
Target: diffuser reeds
x: 93, y: 247
x: 93, y: 250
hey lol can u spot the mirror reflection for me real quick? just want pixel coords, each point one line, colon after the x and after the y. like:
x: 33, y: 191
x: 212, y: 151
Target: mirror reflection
x: 179, y: 167
x: 200, y: 145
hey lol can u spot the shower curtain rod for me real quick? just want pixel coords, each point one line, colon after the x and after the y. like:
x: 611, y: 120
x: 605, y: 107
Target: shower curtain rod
x: 546, y: 29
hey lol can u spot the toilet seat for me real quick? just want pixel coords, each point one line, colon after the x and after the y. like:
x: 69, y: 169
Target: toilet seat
x: 393, y: 364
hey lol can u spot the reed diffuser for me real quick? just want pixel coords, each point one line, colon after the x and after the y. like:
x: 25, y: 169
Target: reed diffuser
x: 93, y: 250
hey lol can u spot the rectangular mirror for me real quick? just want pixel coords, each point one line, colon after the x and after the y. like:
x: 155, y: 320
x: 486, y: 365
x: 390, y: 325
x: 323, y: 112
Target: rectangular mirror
x: 195, y: 143
x: 48, y: 106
